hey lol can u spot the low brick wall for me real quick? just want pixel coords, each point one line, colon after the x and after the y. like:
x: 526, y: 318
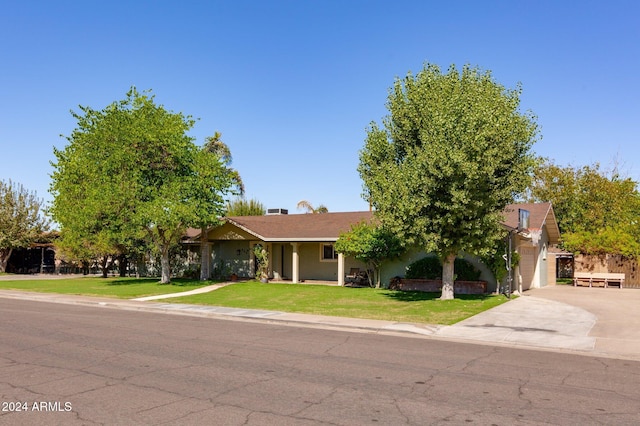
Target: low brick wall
x: 435, y: 286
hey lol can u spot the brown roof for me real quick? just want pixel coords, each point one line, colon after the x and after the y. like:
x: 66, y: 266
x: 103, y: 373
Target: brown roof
x: 540, y: 214
x: 300, y: 227
x: 328, y: 226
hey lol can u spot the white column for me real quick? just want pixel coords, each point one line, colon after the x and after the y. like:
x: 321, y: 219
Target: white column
x: 340, y: 269
x: 295, y: 264
x: 252, y: 258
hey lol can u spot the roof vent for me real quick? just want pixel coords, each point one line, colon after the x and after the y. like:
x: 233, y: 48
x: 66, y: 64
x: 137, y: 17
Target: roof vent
x: 277, y: 211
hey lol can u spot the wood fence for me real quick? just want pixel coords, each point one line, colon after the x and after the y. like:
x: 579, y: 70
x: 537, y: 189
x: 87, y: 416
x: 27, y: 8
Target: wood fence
x: 610, y: 263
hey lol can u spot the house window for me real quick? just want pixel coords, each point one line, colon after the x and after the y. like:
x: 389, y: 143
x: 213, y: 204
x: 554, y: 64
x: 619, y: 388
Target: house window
x: 328, y: 253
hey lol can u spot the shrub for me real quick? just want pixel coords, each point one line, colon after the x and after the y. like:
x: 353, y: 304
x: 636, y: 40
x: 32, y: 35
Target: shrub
x: 430, y: 268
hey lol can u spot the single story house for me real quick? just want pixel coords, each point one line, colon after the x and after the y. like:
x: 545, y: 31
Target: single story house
x: 301, y: 246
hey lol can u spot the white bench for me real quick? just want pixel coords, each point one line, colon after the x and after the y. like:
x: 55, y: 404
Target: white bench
x: 604, y: 278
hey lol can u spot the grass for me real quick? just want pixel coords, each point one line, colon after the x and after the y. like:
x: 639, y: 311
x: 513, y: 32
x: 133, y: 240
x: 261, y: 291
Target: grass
x: 122, y: 288
x: 413, y: 307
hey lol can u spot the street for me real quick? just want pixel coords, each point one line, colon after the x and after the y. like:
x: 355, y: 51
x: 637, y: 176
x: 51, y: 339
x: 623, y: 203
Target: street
x: 79, y: 365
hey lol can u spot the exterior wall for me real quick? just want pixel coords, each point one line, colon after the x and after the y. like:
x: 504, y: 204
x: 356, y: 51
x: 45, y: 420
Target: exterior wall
x: 281, y: 263
x: 535, y: 269
x: 233, y: 257
x: 543, y: 259
x: 312, y: 268
x: 398, y: 268
x: 527, y: 265
x: 551, y: 269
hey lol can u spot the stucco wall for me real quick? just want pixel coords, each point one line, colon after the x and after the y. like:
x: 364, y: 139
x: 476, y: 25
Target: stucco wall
x: 234, y: 255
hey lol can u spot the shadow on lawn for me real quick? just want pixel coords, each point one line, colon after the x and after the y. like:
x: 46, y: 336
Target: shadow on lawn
x: 417, y: 296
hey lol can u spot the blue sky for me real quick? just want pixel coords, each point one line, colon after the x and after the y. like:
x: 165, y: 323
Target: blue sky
x: 292, y: 85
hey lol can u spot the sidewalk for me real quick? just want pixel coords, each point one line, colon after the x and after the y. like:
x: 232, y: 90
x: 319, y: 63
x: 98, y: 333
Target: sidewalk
x: 534, y: 320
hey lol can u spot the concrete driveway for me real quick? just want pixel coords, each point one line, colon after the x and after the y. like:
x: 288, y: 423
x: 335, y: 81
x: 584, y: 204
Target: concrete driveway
x: 617, y: 311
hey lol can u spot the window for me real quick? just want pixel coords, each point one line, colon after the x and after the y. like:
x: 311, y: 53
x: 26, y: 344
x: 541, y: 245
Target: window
x: 327, y: 253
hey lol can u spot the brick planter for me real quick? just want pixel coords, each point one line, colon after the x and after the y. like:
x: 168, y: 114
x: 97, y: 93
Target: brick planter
x: 435, y: 286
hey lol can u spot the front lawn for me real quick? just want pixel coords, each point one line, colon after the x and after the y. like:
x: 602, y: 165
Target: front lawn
x: 414, y: 307
x: 123, y: 288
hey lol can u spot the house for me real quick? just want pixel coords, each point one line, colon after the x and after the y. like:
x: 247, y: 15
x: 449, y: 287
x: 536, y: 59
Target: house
x: 534, y: 229
x: 301, y: 246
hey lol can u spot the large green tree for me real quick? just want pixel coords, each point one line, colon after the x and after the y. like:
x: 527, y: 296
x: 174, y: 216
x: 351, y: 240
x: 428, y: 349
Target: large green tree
x: 216, y: 147
x: 452, y: 153
x: 21, y: 219
x: 598, y: 211
x: 129, y: 171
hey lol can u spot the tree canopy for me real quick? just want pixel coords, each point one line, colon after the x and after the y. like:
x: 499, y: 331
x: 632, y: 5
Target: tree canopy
x: 452, y: 153
x: 371, y: 244
x: 244, y: 207
x: 598, y: 211
x: 21, y: 219
x: 216, y: 147
x: 131, y: 171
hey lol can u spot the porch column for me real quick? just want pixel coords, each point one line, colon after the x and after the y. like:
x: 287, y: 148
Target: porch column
x: 295, y: 264
x: 205, y: 261
x: 270, y: 259
x: 341, y: 269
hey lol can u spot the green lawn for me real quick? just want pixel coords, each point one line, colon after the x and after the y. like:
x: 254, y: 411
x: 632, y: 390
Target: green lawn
x: 123, y: 288
x: 414, y: 307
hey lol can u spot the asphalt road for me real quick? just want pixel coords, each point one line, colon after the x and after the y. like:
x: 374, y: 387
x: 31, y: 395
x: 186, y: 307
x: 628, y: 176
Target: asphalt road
x: 79, y: 365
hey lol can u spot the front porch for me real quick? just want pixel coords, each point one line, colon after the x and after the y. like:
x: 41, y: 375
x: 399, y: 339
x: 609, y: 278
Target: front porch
x: 289, y: 262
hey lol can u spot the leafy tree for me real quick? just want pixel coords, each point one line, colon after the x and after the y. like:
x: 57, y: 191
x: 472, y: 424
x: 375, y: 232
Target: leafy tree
x: 130, y: 171
x: 243, y: 207
x: 214, y: 146
x: 598, y: 212
x: 306, y: 205
x: 453, y: 152
x: 371, y: 244
x: 21, y: 220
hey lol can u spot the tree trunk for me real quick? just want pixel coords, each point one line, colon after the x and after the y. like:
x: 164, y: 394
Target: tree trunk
x: 123, y: 263
x: 5, y: 254
x: 104, y: 265
x: 205, y: 256
x: 164, y: 261
x: 376, y: 270
x: 447, y: 277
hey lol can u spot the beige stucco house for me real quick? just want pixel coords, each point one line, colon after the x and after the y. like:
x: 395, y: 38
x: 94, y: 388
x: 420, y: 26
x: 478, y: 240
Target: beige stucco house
x: 531, y: 240
x: 301, y: 246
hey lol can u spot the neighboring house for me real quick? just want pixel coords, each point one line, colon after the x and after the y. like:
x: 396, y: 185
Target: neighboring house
x: 531, y: 239
x: 301, y: 246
